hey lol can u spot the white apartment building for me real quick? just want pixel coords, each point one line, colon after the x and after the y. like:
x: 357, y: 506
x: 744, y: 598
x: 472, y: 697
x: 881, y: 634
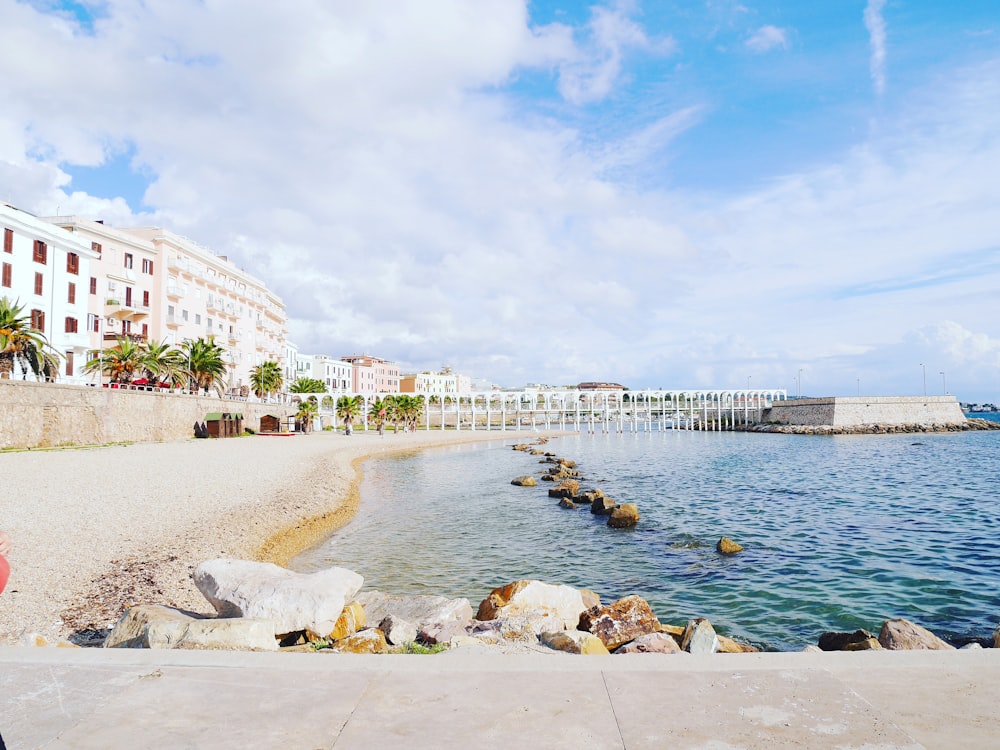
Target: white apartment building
x: 335, y: 374
x: 429, y: 382
x: 46, y: 271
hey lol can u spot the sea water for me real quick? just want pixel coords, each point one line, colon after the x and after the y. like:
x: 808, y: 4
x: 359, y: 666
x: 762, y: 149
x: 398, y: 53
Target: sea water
x: 840, y: 532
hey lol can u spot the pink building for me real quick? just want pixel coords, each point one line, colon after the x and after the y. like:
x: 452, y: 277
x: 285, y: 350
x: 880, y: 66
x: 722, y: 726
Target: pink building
x: 373, y: 375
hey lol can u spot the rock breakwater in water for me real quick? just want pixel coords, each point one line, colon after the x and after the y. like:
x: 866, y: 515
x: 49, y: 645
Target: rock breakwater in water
x: 870, y: 429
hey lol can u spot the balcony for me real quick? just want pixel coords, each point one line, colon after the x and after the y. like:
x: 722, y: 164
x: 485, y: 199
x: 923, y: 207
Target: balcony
x: 173, y: 321
x: 136, y: 337
x: 176, y: 291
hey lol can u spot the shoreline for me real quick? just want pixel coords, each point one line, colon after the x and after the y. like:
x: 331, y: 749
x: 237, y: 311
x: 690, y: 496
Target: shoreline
x: 96, y: 530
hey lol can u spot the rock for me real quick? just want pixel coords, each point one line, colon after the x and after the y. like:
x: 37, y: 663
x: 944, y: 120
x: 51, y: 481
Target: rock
x: 533, y: 597
x: 974, y: 646
x: 37, y: 640
x: 421, y: 610
x: 727, y: 546
x: 651, y: 643
x: 900, y: 635
x: 293, y: 601
x: 699, y: 637
x: 567, y: 488
x: 589, y: 496
x: 625, y: 516
x: 832, y: 641
x: 370, y: 641
x: 574, y: 642
x: 868, y: 644
x: 214, y: 634
x: 523, y: 628
x: 603, y: 506
x: 525, y: 481
x: 442, y: 632
x: 811, y: 649
x: 729, y: 646
x: 996, y: 637
x: 620, y: 622
x: 397, y: 630
x: 351, y: 620
x: 590, y: 599
x: 567, y: 503
x: 130, y: 630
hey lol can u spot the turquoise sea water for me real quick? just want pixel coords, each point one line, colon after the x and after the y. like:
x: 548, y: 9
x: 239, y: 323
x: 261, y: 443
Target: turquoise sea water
x: 839, y: 532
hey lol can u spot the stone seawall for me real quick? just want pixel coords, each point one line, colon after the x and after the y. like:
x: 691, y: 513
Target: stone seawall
x: 851, y: 411
x: 42, y: 415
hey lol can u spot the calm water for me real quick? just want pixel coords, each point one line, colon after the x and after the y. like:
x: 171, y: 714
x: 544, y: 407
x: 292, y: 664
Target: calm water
x: 840, y: 532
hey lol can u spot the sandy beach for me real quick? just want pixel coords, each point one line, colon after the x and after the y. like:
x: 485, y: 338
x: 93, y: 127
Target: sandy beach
x: 98, y: 529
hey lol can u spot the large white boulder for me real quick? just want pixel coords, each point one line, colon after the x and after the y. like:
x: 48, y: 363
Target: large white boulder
x: 292, y: 601
x: 534, y: 598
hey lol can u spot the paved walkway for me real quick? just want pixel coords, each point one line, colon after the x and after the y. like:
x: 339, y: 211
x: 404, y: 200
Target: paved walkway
x: 94, y: 698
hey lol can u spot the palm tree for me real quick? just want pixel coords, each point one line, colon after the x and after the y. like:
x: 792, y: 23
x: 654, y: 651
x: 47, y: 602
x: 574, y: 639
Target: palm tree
x: 119, y: 363
x: 21, y: 343
x: 308, y: 409
x: 206, y: 364
x: 307, y: 385
x: 266, y: 378
x: 163, y: 363
x: 348, y: 408
x: 410, y: 407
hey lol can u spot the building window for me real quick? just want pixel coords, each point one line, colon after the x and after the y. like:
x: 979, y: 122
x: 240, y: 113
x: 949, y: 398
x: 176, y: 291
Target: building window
x: 72, y: 263
x: 71, y: 296
x: 69, y: 364
x: 145, y: 330
x: 38, y: 283
x: 71, y: 325
x: 197, y: 319
x: 8, y: 270
x: 184, y: 315
x: 8, y: 240
x: 93, y: 285
x: 147, y: 266
x: 96, y: 248
x: 38, y: 320
x: 126, y: 326
x: 93, y: 323
x: 128, y: 296
x: 145, y: 299
x: 41, y: 252
x: 128, y: 260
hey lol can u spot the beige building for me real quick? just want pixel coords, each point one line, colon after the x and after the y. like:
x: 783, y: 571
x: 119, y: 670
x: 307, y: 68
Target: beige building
x: 151, y: 284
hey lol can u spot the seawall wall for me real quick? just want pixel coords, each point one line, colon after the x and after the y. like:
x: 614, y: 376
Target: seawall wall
x: 853, y: 411
x: 42, y: 415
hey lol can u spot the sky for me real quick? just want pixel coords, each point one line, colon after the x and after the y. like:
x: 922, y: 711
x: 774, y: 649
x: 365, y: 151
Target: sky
x: 668, y: 194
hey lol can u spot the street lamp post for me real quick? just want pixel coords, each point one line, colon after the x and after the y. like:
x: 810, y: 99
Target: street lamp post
x: 798, y: 384
x: 924, y: 368
x: 748, y: 381
x: 859, y: 387
x: 944, y: 384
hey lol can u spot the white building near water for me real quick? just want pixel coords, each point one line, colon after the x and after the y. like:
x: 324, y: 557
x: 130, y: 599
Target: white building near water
x: 47, y: 271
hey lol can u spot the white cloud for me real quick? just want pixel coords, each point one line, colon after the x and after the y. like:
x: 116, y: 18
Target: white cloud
x: 767, y: 38
x: 366, y: 161
x: 875, y: 23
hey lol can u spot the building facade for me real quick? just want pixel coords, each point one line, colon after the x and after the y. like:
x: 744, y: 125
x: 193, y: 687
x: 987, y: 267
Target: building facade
x: 47, y: 272
x: 372, y: 374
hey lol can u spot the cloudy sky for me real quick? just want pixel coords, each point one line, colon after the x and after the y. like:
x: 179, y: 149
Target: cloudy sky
x: 669, y: 193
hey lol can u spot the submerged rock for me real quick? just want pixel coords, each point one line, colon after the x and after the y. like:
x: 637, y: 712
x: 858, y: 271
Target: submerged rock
x: 525, y: 481
x: 603, y: 506
x: 567, y: 503
x: 859, y: 640
x: 566, y: 488
x: 900, y: 635
x: 727, y: 546
x: 624, y: 516
x: 589, y: 496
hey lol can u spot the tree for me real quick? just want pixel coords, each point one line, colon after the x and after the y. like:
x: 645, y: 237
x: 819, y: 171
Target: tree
x: 266, y: 379
x: 206, y: 365
x: 408, y: 409
x: 308, y: 385
x: 348, y: 409
x: 163, y: 363
x: 120, y: 362
x: 22, y: 344
x: 307, y: 411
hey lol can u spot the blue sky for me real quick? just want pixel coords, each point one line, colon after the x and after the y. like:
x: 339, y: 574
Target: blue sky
x: 661, y: 193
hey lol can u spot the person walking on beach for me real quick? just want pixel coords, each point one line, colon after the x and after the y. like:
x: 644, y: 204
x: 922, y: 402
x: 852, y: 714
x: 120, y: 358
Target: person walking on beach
x: 4, y: 565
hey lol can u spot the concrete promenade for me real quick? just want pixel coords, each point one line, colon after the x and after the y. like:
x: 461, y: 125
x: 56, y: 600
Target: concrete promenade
x: 93, y: 698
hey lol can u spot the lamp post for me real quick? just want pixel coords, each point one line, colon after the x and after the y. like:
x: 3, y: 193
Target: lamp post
x: 859, y: 387
x: 944, y: 384
x: 924, y: 368
x: 748, y: 381
x: 798, y: 384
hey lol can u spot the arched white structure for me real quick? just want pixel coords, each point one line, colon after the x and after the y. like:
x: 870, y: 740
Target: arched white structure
x: 593, y: 411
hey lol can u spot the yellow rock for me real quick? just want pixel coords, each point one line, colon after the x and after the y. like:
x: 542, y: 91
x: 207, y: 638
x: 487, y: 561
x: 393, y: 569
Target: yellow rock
x: 371, y: 641
x: 729, y: 646
x: 727, y: 546
x: 351, y: 620
x: 575, y: 642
